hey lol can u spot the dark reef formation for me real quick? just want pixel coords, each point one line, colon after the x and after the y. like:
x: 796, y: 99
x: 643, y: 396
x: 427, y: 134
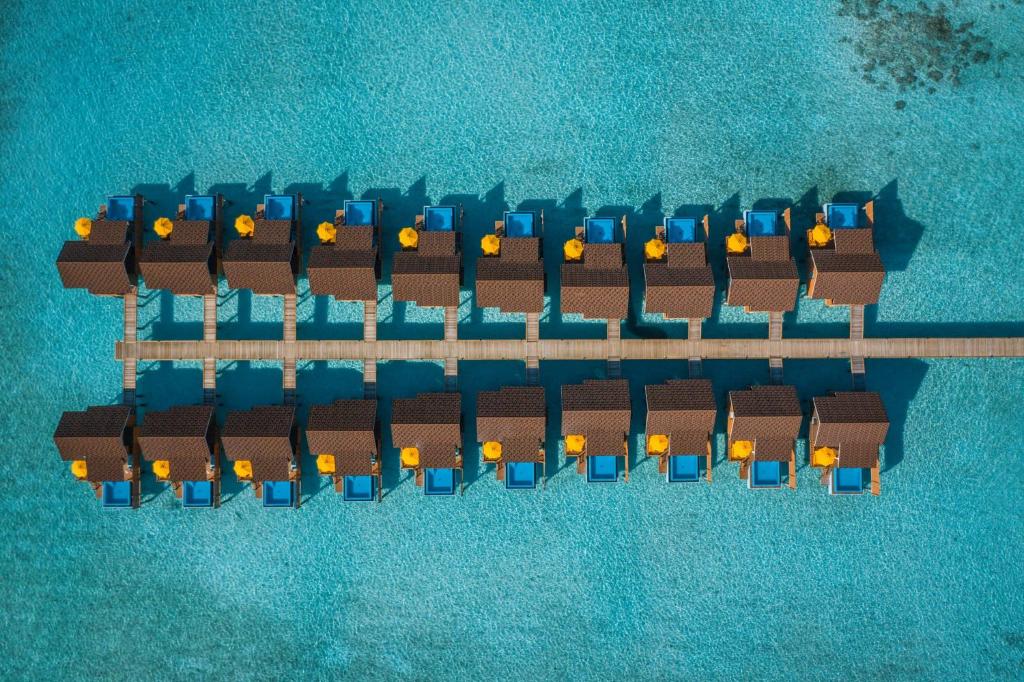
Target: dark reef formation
x: 912, y: 49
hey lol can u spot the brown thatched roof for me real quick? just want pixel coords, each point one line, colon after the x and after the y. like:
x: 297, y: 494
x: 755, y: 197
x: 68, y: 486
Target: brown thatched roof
x: 348, y: 275
x: 514, y: 416
x: 99, y: 435
x: 430, y: 422
x: 855, y: 423
x: 265, y: 268
x: 103, y: 269
x: 184, y: 269
x: 599, y: 410
x: 183, y: 436
x: 684, y: 410
x: 346, y: 429
x: 264, y: 436
x: 512, y: 281
x: 427, y: 280
x: 765, y: 414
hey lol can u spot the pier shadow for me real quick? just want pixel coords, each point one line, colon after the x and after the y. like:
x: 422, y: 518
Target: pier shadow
x: 164, y: 325
x: 896, y: 234
x: 401, y: 379
x: 898, y: 382
x: 163, y: 384
x: 476, y: 376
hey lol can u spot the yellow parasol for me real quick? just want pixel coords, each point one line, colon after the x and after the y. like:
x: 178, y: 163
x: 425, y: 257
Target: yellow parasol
x: 654, y: 249
x: 245, y: 226
x: 325, y: 464
x: 243, y: 470
x: 823, y: 457
x: 83, y: 227
x: 657, y: 444
x: 492, y: 451
x: 741, y: 449
x: 573, y: 250
x: 326, y: 232
x: 79, y: 469
x: 574, y: 444
x: 490, y: 245
x: 736, y: 243
x: 161, y: 469
x: 410, y: 457
x: 163, y: 227
x: 408, y: 238
x: 819, y: 236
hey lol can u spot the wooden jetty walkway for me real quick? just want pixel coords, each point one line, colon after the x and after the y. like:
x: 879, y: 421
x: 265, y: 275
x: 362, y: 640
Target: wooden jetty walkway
x: 573, y: 349
x: 612, y: 349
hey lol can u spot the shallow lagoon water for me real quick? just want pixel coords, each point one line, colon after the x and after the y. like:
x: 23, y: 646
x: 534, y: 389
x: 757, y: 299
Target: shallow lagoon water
x: 604, y: 107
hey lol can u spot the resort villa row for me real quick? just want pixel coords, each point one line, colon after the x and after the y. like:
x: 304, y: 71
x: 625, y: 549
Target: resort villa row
x: 187, y: 253
x: 186, y: 448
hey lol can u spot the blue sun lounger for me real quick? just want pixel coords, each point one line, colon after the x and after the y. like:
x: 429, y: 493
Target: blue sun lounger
x: 439, y: 218
x: 847, y: 481
x: 359, y: 488
x: 602, y: 468
x: 520, y: 475
x: 121, y: 208
x: 361, y: 213
x: 200, y: 207
x: 683, y: 468
x: 765, y: 474
x: 680, y: 230
x: 279, y: 207
x: 761, y: 223
x: 520, y: 223
x: 599, y: 230
x: 197, y: 494
x: 117, y: 494
x: 278, y: 493
x: 439, y: 481
x: 842, y: 216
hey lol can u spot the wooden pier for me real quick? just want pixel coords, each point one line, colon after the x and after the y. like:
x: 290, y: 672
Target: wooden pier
x: 129, y: 371
x: 210, y: 335
x: 575, y: 349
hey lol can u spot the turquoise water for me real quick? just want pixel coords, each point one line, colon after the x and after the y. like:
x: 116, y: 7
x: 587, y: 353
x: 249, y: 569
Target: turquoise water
x: 599, y: 107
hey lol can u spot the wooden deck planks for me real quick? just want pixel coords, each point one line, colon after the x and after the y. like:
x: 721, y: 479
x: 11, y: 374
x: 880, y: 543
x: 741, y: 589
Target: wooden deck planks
x: 574, y: 349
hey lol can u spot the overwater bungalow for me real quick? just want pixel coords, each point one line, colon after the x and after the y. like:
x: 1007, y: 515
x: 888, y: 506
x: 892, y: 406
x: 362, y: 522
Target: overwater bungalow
x: 764, y: 422
x: 427, y: 430
x: 103, y: 259
x: 265, y: 259
x: 847, y: 430
x: 595, y: 426
x: 184, y: 259
x: 594, y: 279
x: 679, y: 282
x: 510, y: 271
x: 510, y: 426
x: 680, y: 419
x: 100, y: 444
x: 428, y: 269
x: 345, y: 439
x: 846, y: 268
x: 762, y: 275
x: 182, y: 445
x: 346, y: 264
x: 263, y: 444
